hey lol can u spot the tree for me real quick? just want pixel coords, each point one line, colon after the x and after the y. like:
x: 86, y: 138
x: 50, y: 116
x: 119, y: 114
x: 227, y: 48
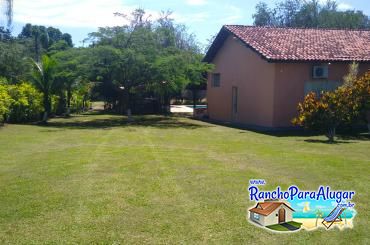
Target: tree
x: 344, y: 106
x: 309, y: 14
x: 70, y: 70
x: 12, y: 65
x: 5, y: 102
x: 264, y: 16
x: 144, y: 59
x: 44, y: 39
x: 43, y: 78
x: 197, y: 75
x: 351, y: 77
x: 67, y: 38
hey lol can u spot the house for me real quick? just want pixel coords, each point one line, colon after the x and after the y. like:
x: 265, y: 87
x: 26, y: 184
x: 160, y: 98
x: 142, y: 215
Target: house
x: 271, y: 213
x: 262, y: 73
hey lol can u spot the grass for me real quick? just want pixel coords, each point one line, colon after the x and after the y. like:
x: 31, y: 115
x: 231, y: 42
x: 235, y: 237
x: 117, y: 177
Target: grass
x: 99, y: 179
x: 295, y: 224
x: 279, y: 227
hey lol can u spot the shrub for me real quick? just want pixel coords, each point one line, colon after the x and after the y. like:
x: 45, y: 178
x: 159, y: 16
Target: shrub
x: 55, y: 100
x: 5, y: 102
x: 345, y: 105
x: 26, y: 103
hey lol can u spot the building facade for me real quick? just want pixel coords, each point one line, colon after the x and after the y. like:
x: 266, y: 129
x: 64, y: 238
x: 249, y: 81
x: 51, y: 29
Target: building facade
x: 262, y: 73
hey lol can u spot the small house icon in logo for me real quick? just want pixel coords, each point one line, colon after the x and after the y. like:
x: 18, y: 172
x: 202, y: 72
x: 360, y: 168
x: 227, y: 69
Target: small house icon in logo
x: 271, y: 212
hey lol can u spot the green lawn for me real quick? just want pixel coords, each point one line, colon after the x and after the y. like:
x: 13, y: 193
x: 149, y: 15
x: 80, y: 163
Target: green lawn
x: 97, y: 179
x: 279, y: 227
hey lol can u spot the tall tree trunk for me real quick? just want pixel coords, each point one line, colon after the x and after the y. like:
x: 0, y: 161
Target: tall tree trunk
x: 194, y: 93
x: 331, y: 134
x: 69, y: 97
x: 47, y: 109
x: 128, y: 104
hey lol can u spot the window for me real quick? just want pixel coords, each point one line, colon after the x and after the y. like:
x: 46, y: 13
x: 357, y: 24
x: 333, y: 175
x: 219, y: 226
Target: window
x: 256, y: 216
x: 321, y: 86
x: 216, y: 80
x: 235, y: 100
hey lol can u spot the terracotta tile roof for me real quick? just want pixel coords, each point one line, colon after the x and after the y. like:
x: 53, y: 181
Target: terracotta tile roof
x: 296, y: 44
x: 266, y: 208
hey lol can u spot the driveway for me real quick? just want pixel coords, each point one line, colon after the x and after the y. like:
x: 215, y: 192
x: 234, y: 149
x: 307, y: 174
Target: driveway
x: 181, y: 109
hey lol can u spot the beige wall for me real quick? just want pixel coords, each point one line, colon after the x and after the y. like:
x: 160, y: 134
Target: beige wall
x: 273, y: 218
x: 260, y: 221
x: 289, y: 87
x: 268, y: 93
x: 243, y: 68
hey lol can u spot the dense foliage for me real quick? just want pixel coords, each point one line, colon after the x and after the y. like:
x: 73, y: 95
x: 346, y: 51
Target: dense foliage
x: 344, y: 106
x: 5, y: 102
x: 26, y: 103
x: 311, y: 13
x: 19, y: 103
x: 145, y: 60
x: 137, y: 67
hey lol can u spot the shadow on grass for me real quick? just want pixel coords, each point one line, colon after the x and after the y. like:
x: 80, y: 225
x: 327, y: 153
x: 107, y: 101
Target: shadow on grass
x: 79, y: 122
x: 343, y: 136
x: 336, y: 142
x: 278, y: 132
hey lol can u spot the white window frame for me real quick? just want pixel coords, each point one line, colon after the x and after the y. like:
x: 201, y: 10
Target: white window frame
x: 256, y: 216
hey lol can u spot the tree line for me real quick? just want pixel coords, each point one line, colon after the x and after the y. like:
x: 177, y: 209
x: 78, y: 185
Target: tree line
x: 139, y: 65
x: 309, y: 14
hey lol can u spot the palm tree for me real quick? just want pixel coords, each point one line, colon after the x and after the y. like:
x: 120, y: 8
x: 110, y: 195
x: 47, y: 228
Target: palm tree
x: 319, y: 214
x: 43, y: 78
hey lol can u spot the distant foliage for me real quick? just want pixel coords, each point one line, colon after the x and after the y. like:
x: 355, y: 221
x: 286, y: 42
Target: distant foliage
x: 41, y: 39
x: 309, y: 14
x: 144, y: 59
x: 344, y: 106
x: 13, y: 66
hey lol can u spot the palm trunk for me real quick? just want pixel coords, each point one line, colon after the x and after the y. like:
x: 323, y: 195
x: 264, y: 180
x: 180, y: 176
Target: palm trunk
x: 331, y: 134
x: 194, y: 93
x: 69, y: 96
x: 45, y: 117
x: 47, y: 108
x: 129, y: 113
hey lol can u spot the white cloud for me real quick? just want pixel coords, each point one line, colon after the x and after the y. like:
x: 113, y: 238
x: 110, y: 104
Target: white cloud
x: 191, y: 18
x: 72, y: 13
x: 234, y: 14
x: 344, y: 6
x: 196, y: 2
x: 301, y: 204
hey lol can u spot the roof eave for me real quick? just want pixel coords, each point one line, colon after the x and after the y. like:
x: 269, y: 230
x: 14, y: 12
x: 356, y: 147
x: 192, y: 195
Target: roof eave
x: 225, y: 32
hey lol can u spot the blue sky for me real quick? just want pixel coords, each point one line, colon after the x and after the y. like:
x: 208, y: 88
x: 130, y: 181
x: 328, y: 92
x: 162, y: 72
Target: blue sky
x: 204, y: 18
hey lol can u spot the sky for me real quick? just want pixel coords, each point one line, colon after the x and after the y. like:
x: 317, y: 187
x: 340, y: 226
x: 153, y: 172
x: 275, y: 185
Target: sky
x: 204, y: 18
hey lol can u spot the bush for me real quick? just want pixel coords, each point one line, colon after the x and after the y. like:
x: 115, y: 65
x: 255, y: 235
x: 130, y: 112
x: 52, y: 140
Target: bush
x: 55, y: 101
x: 26, y: 103
x: 79, y: 103
x: 5, y: 102
x: 344, y: 106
